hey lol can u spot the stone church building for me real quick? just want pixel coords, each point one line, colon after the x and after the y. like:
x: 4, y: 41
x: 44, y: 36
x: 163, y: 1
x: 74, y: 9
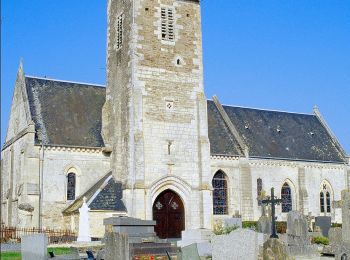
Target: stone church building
x: 151, y: 145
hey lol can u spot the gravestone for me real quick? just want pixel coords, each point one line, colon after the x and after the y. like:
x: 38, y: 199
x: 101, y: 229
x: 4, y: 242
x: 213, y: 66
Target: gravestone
x: 274, y: 249
x: 264, y: 225
x: 343, y: 252
x: 200, y: 236
x: 239, y: 244
x: 297, y: 225
x: 116, y: 246
x: 345, y: 197
x: 190, y: 252
x: 34, y: 247
x: 84, y: 224
x: 234, y: 221
x: 298, y: 242
x: 324, y: 223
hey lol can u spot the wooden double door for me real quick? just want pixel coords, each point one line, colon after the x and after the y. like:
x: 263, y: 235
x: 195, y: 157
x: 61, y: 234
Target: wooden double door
x: 169, y: 213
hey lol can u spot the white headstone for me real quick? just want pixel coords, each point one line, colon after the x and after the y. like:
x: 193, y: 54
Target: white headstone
x: 239, y: 244
x: 84, y: 225
x: 34, y: 247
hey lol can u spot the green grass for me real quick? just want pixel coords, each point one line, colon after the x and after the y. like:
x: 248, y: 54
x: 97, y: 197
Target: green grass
x: 59, y: 250
x: 10, y: 256
x: 17, y: 255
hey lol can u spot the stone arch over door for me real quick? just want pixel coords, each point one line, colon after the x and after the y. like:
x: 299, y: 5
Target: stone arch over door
x: 180, y: 187
x: 169, y: 213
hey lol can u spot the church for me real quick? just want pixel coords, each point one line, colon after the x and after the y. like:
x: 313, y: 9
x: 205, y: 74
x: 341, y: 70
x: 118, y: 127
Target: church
x: 150, y: 145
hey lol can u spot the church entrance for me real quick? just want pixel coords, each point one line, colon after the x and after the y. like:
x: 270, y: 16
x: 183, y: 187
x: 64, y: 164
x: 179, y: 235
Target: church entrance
x: 168, y: 211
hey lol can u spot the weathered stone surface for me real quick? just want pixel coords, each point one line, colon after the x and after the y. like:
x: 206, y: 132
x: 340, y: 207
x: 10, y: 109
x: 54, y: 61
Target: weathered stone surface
x: 274, y: 249
x: 239, y: 244
x: 34, y: 247
x: 345, y: 196
x: 137, y: 230
x: 191, y: 236
x: 116, y: 246
x: 190, y: 252
x: 335, y: 236
x: 231, y: 222
x: 297, y: 225
x: 264, y: 225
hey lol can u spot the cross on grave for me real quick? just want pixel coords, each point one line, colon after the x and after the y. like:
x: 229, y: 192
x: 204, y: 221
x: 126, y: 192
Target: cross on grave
x: 273, y: 201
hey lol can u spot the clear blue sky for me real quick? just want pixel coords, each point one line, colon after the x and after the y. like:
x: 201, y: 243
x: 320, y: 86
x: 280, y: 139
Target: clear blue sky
x: 283, y: 55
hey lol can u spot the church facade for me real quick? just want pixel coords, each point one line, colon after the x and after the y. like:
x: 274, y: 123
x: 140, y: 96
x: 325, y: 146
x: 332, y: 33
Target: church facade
x: 151, y: 146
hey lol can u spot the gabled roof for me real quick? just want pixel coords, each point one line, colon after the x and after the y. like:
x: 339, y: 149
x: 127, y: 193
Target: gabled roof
x: 66, y: 113
x: 284, y: 135
x: 105, y: 194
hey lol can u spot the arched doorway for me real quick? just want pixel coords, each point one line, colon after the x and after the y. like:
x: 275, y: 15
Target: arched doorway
x: 169, y: 213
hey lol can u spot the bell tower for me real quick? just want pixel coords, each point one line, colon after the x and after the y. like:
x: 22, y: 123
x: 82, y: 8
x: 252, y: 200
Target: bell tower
x: 155, y: 115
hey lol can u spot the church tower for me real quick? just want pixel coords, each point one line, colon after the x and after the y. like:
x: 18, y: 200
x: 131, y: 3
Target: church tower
x: 155, y: 115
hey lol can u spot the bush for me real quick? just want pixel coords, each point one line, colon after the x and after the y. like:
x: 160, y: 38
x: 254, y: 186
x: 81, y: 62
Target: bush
x: 320, y: 240
x: 336, y: 225
x: 250, y: 224
x: 221, y: 229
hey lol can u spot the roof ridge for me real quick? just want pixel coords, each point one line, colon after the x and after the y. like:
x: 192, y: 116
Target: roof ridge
x: 268, y: 110
x: 66, y: 81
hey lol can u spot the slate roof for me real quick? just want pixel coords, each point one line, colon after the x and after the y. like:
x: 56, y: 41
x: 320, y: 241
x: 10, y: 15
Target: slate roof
x: 66, y: 113
x: 106, y: 194
x: 275, y: 134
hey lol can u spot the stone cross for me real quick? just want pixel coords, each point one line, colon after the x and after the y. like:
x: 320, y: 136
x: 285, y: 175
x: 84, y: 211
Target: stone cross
x: 273, y: 201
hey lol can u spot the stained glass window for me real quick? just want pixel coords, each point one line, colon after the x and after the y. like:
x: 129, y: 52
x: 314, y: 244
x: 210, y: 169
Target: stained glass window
x: 220, y: 194
x: 286, y: 196
x: 259, y: 190
x: 71, y: 186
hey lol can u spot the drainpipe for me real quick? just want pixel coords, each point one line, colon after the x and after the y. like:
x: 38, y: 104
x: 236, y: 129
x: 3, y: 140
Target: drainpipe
x: 41, y: 185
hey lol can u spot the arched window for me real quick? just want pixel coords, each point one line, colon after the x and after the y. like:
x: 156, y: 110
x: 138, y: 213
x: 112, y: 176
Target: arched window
x: 259, y: 190
x: 286, y: 196
x: 322, y: 201
x: 325, y: 198
x: 71, y: 186
x: 220, y: 194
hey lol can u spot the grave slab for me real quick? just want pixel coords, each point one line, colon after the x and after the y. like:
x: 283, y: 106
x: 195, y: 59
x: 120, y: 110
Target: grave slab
x: 34, y: 247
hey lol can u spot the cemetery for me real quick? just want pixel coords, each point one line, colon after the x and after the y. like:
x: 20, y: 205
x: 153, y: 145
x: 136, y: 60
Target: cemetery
x: 135, y: 239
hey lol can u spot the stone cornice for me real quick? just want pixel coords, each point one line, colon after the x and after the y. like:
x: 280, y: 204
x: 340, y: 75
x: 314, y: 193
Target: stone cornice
x: 73, y: 149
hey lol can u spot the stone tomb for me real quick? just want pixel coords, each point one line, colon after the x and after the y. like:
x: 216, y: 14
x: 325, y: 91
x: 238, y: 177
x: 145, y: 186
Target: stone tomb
x: 239, y: 244
x: 34, y: 247
x: 131, y: 238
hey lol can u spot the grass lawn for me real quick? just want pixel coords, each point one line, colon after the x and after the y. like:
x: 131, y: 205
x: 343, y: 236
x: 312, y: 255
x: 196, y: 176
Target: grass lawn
x: 17, y: 255
x: 10, y: 256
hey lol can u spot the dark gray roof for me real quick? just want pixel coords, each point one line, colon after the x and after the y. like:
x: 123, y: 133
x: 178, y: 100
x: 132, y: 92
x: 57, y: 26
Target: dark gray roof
x: 275, y: 134
x: 109, y: 196
x: 222, y: 142
x: 66, y: 113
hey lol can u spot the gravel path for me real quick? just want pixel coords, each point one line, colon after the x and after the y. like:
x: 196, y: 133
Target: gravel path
x: 13, y: 247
